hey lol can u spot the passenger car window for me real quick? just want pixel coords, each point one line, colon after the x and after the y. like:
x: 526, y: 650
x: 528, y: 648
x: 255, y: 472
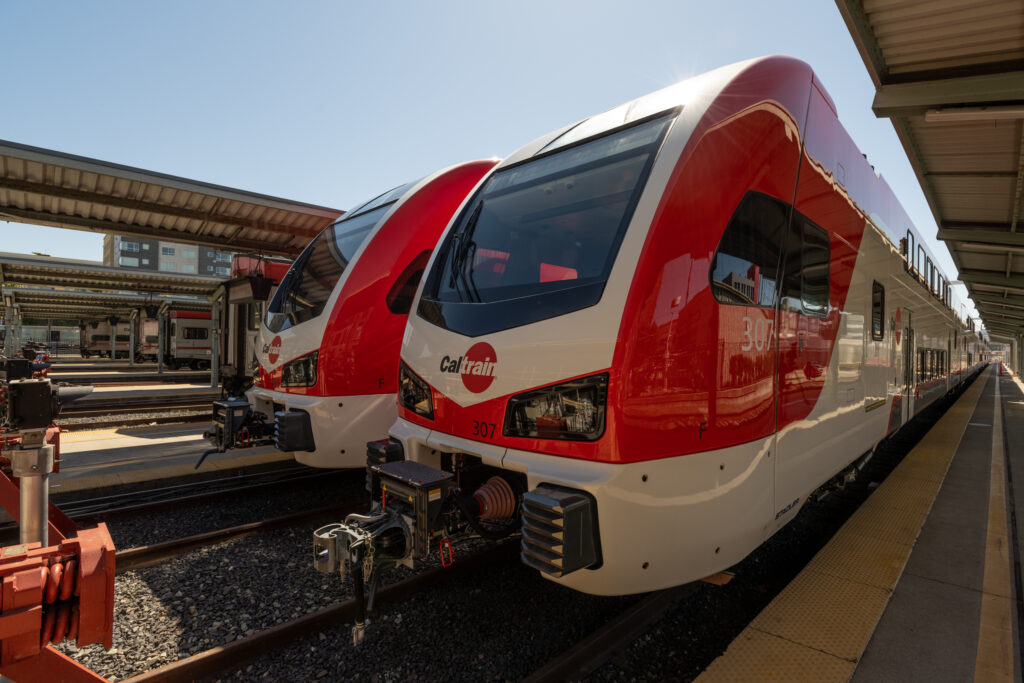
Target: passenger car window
x: 877, y: 311
x: 745, y: 270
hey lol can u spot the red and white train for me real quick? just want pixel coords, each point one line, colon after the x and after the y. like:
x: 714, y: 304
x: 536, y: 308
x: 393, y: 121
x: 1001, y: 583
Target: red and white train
x: 647, y: 338
x: 329, y: 341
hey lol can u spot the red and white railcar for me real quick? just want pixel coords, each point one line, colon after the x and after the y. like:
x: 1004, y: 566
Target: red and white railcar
x: 329, y: 341
x: 653, y: 334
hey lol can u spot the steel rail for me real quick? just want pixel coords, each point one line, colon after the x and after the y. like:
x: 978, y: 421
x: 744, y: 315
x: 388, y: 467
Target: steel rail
x: 222, y: 657
x: 605, y: 642
x: 106, y: 508
x: 148, y: 555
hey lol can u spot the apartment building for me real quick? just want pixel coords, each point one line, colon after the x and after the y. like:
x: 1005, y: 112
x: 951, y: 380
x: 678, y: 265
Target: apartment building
x: 170, y: 257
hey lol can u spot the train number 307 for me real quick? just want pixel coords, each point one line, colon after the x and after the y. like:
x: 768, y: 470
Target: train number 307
x: 758, y: 334
x: 484, y: 429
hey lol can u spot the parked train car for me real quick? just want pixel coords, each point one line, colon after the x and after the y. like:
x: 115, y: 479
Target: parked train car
x: 148, y: 347
x: 646, y: 339
x: 188, y: 340
x: 330, y: 336
x: 243, y: 299
x: 95, y: 340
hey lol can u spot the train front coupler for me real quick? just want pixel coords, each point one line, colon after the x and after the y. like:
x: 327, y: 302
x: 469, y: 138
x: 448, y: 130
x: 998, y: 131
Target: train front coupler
x: 236, y: 425
x: 414, y: 506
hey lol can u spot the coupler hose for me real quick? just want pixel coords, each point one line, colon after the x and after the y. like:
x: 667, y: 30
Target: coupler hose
x: 474, y: 521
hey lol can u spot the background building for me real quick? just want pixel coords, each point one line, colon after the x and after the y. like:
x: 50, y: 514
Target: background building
x: 130, y: 252
x: 171, y: 257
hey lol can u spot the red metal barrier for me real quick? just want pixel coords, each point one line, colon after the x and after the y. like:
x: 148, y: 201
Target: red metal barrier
x: 62, y: 591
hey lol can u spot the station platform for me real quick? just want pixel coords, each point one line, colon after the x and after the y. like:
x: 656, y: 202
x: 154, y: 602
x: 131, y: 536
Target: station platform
x: 116, y: 391
x: 126, y: 376
x: 919, y: 584
x: 107, y: 458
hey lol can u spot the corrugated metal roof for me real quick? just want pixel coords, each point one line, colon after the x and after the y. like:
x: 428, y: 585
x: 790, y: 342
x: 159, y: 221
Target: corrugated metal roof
x: 950, y: 76
x: 45, y: 187
x: 38, y: 302
x: 47, y: 271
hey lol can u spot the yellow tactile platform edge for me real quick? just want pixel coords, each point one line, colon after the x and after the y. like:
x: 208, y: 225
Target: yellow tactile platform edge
x: 817, y: 628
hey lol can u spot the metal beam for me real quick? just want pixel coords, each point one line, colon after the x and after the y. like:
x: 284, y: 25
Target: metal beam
x: 96, y: 225
x: 864, y: 38
x: 1001, y: 314
x: 1007, y: 238
x: 992, y: 279
x: 1007, y: 301
x: 912, y: 99
x: 153, y: 207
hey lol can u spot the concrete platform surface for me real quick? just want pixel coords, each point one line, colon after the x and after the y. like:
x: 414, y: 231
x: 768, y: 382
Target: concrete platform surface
x: 919, y: 584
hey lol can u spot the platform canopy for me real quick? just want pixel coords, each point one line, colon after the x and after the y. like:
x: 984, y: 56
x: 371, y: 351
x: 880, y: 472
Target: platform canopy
x: 46, y: 271
x: 950, y: 76
x: 45, y: 187
x: 42, y: 302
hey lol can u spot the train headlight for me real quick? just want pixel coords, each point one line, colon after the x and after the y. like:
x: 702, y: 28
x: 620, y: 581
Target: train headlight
x: 301, y: 372
x: 413, y: 392
x: 571, y: 410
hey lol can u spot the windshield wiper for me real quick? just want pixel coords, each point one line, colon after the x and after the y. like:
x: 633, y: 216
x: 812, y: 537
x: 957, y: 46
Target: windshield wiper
x: 462, y: 245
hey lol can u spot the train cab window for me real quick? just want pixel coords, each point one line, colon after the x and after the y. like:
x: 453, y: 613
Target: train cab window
x: 745, y: 268
x: 539, y: 238
x: 399, y: 299
x: 152, y: 339
x: 877, y: 311
x: 195, y: 333
x: 806, y: 280
x: 308, y: 284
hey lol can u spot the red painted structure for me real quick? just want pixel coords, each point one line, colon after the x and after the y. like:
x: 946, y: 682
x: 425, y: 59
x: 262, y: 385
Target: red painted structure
x: 47, y: 595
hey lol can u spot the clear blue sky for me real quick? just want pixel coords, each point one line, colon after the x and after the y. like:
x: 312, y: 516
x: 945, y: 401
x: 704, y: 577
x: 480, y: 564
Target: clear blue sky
x: 333, y: 102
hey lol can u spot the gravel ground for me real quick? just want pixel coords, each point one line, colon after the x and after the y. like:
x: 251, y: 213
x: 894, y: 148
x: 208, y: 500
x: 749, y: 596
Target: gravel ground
x: 83, y: 423
x: 500, y: 623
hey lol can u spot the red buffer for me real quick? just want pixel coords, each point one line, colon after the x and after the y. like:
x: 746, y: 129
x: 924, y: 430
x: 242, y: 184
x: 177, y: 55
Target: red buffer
x: 52, y: 592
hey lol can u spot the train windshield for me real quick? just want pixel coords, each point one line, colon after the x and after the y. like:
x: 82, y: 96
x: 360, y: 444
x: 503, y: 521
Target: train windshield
x: 539, y: 238
x: 308, y: 284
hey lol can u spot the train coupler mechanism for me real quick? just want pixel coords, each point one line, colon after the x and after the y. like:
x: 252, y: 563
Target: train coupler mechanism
x: 416, y: 509
x: 236, y: 425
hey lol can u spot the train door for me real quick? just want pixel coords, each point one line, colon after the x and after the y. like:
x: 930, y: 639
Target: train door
x: 909, y: 383
x: 803, y: 356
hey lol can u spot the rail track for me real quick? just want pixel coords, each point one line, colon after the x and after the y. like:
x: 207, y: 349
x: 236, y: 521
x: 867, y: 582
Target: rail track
x: 105, y: 413
x: 218, y: 659
x: 104, y: 508
x: 148, y: 555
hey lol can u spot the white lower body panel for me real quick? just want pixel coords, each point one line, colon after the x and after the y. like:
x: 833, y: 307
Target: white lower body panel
x: 341, y: 424
x: 661, y: 522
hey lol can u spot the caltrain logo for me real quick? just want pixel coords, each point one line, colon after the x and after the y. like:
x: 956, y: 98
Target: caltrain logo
x: 476, y: 367
x: 275, y: 349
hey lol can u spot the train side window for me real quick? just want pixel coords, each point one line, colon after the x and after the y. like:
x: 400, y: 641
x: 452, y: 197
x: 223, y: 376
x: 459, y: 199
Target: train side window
x: 399, y: 299
x: 195, y: 333
x: 745, y: 270
x: 806, y: 279
x: 877, y: 311
x: 908, y: 250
